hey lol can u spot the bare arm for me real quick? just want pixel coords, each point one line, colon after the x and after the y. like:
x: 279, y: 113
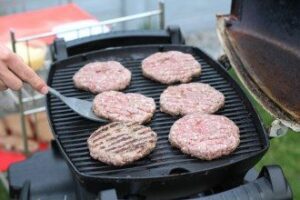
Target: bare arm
x: 13, y: 72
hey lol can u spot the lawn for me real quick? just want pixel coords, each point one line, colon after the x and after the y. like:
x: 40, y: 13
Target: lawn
x: 3, y: 192
x: 284, y: 151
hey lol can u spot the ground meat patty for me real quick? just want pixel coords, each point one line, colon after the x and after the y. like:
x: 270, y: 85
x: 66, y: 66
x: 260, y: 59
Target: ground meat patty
x: 121, y: 143
x: 170, y: 67
x: 189, y: 98
x: 118, y: 106
x: 102, y: 76
x: 205, y: 136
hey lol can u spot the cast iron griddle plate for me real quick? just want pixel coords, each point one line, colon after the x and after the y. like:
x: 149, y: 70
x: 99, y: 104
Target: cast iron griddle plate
x: 71, y: 131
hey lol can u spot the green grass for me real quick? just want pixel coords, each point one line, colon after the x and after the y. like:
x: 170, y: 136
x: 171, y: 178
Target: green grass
x: 284, y: 151
x: 3, y: 192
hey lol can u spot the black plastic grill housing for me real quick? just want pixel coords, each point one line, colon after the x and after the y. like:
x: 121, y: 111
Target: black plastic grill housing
x: 71, y: 131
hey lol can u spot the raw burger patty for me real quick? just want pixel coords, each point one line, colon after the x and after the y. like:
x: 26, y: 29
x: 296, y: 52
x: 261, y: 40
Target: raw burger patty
x: 121, y: 143
x: 205, y: 136
x: 170, y: 67
x: 102, y: 76
x: 129, y: 107
x: 189, y: 98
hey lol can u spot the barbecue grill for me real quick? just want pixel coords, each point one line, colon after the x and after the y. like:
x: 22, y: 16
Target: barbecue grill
x: 165, y: 168
x: 71, y: 131
x: 68, y: 172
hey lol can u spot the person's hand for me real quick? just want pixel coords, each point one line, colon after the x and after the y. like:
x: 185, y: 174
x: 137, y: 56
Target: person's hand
x: 13, y: 72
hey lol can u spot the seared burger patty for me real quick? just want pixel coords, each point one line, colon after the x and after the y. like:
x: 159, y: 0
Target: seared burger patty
x: 97, y: 77
x: 205, y: 136
x: 121, y: 143
x: 189, y: 98
x: 170, y: 67
x: 129, y: 107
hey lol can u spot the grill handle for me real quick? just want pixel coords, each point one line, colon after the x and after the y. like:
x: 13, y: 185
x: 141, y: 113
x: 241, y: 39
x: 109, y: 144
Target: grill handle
x: 271, y: 184
x: 62, y: 50
x: 57, y: 94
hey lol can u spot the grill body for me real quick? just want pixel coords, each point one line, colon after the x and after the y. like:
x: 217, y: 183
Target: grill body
x: 25, y: 183
x: 165, y: 165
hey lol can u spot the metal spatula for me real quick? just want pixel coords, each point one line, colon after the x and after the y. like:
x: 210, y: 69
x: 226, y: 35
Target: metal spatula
x: 81, y: 107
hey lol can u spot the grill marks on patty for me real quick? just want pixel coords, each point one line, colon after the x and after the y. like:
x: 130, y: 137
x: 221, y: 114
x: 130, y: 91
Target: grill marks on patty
x: 118, y: 139
x: 103, y: 129
x: 118, y: 106
x: 170, y: 67
x: 189, y: 98
x: 102, y: 76
x: 120, y: 143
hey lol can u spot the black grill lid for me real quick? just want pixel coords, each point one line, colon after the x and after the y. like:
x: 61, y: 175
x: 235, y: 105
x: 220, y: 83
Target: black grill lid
x: 71, y: 131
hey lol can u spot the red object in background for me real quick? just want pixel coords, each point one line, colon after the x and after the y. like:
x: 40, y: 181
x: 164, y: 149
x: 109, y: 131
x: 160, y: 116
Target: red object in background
x: 40, y: 21
x: 28, y: 24
x: 8, y: 157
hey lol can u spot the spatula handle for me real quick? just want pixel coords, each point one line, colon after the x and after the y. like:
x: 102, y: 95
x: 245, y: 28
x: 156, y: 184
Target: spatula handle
x: 56, y: 93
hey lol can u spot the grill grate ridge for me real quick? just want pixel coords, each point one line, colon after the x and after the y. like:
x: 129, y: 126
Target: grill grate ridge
x: 72, y: 130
